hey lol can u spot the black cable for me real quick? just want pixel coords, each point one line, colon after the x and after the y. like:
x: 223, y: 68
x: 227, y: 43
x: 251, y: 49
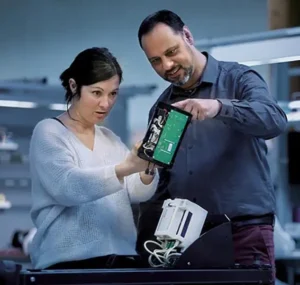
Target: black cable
x: 152, y: 172
x: 147, y: 171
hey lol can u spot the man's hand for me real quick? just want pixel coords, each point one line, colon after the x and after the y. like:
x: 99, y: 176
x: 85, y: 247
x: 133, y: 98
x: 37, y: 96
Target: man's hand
x: 201, y: 109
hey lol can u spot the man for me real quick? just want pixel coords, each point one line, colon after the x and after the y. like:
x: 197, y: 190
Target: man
x: 222, y: 164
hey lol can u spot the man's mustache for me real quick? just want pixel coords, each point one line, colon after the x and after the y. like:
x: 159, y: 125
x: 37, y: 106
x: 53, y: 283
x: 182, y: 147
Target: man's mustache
x: 172, y: 70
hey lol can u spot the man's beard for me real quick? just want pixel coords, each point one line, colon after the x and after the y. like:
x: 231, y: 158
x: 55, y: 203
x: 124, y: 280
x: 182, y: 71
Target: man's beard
x: 181, y: 81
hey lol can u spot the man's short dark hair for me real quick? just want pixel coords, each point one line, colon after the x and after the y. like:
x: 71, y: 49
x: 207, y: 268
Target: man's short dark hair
x: 166, y: 17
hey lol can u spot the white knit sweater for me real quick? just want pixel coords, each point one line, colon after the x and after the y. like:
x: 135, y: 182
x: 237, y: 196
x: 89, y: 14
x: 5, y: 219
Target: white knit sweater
x: 80, y: 208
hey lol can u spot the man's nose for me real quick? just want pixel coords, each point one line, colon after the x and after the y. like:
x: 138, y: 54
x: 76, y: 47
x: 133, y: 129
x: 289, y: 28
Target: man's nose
x: 167, y: 64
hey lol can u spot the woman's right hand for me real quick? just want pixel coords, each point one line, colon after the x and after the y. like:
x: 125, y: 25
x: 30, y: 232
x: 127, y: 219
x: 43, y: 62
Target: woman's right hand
x: 135, y: 163
x: 132, y: 163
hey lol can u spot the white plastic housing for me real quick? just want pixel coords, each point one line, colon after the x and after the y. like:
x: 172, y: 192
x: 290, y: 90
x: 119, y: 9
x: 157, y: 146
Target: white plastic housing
x: 180, y: 220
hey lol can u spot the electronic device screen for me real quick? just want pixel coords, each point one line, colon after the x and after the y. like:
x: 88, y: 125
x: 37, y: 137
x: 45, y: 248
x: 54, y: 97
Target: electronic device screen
x: 164, y: 134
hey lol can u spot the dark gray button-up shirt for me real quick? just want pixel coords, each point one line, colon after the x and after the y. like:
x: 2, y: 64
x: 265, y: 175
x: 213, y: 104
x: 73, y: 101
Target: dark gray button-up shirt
x: 221, y: 164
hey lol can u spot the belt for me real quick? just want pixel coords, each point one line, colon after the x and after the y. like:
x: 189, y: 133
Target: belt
x: 268, y: 219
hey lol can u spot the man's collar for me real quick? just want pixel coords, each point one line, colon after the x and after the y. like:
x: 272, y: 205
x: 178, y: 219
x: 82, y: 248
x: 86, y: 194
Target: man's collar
x: 209, y: 75
x: 211, y: 70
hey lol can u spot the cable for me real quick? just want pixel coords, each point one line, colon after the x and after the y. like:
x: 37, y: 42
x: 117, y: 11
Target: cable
x: 149, y: 147
x: 152, y: 171
x: 157, y: 253
x: 145, y: 152
x: 147, y: 170
x: 165, y: 256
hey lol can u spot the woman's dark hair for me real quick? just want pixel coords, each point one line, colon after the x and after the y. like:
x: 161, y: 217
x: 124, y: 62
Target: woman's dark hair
x: 89, y: 67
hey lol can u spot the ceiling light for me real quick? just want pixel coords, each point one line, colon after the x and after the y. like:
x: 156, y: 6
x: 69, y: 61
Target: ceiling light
x: 58, y: 107
x: 17, y: 104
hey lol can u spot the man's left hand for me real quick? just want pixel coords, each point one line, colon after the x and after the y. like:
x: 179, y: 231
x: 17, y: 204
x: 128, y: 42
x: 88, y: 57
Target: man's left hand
x: 201, y: 109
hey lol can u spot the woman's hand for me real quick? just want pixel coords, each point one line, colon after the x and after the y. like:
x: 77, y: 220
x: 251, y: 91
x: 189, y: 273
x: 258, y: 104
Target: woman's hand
x: 133, y: 164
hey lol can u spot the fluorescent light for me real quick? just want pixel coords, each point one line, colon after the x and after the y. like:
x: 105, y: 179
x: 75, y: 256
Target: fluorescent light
x: 293, y: 116
x: 253, y: 63
x: 17, y: 104
x: 58, y: 107
x: 294, y: 104
x: 30, y: 105
x: 260, y: 52
x: 285, y: 59
x: 5, y: 205
x: 272, y: 61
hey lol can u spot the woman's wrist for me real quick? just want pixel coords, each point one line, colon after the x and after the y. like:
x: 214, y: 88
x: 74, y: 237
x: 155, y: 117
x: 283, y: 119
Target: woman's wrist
x: 123, y: 169
x: 146, y: 178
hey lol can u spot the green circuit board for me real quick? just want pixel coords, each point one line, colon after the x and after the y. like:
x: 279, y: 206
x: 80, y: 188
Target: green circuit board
x: 170, y: 137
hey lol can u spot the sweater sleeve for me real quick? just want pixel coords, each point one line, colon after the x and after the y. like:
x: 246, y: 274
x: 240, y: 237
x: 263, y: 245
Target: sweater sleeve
x: 54, y: 165
x: 137, y: 190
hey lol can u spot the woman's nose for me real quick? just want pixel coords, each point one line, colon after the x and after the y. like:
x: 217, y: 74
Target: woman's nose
x: 104, y: 103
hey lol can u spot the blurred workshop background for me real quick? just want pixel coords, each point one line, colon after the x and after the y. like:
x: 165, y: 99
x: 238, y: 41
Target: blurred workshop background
x: 39, y: 39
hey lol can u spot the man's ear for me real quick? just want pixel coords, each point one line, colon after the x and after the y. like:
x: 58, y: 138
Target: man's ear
x: 73, y: 85
x: 187, y: 35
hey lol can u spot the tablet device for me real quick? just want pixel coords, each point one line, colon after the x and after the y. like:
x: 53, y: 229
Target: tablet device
x: 164, y: 135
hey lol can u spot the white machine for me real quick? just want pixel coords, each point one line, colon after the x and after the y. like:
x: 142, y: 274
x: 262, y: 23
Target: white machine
x: 180, y: 224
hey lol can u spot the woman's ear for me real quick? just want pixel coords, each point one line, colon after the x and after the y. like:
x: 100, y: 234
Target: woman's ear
x: 188, y: 37
x: 73, y: 85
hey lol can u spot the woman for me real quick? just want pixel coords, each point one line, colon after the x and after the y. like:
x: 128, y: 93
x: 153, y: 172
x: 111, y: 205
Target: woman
x: 84, y: 179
